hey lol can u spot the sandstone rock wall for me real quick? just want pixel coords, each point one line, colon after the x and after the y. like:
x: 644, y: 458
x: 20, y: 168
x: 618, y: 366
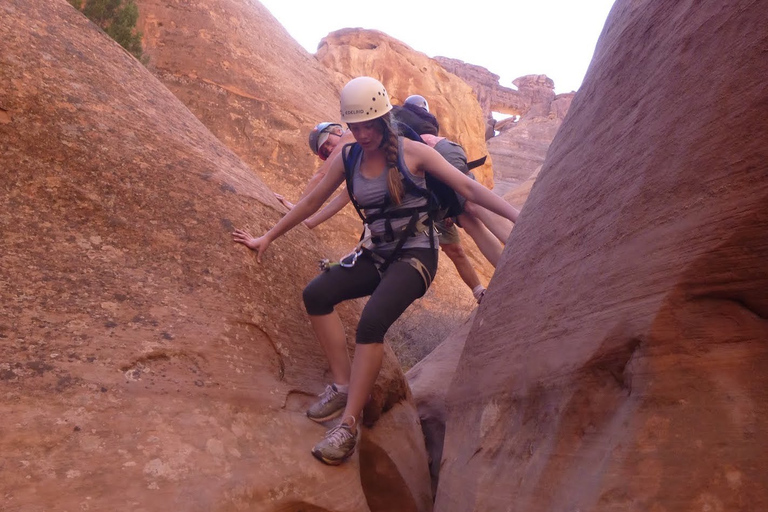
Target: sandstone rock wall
x: 148, y: 363
x: 619, y: 362
x: 429, y: 381
x: 237, y: 69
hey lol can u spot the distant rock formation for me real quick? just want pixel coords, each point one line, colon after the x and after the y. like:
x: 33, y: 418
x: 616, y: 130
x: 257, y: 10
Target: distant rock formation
x: 522, y: 142
x: 493, y: 97
x: 619, y: 360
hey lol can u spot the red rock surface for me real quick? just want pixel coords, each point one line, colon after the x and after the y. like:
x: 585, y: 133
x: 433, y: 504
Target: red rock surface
x: 619, y: 359
x: 429, y: 381
x: 148, y: 363
x: 245, y: 78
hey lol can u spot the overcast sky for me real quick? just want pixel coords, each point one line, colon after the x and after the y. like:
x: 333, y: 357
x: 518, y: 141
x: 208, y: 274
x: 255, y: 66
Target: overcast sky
x: 511, y: 38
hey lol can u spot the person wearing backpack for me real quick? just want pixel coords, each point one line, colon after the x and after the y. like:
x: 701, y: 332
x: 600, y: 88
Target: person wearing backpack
x: 489, y: 231
x: 395, y: 270
x: 324, y: 138
x: 425, y: 125
x: 448, y: 235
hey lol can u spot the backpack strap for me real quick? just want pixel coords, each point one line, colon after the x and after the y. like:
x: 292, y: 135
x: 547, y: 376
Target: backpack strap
x: 350, y: 155
x: 476, y: 163
x: 432, y: 207
x: 409, y: 133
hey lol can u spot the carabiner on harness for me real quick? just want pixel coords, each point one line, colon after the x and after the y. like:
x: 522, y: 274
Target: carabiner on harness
x: 350, y: 259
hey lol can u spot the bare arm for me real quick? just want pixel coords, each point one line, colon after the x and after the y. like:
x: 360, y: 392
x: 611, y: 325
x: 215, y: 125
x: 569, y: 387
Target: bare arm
x: 425, y: 159
x: 331, y: 209
x: 314, y: 181
x: 300, y: 212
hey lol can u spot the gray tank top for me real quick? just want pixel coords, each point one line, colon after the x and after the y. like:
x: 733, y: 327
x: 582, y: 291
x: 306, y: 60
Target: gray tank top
x: 373, y: 191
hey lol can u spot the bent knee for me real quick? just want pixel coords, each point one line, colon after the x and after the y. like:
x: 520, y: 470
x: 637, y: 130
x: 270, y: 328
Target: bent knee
x: 371, y: 331
x: 316, y: 300
x: 452, y: 250
x: 468, y: 219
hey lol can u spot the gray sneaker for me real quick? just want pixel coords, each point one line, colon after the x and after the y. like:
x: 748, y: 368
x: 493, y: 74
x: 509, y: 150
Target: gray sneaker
x: 337, y: 445
x: 331, y: 404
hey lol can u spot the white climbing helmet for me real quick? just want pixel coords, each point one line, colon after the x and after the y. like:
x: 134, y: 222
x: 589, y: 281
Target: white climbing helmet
x: 419, y: 101
x: 362, y: 99
x: 320, y: 134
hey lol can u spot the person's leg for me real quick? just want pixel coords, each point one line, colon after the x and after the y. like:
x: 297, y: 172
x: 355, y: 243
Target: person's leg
x: 496, y: 224
x: 400, y: 285
x: 320, y: 297
x: 329, y: 331
x: 463, y: 266
x: 450, y: 243
x: 485, y: 240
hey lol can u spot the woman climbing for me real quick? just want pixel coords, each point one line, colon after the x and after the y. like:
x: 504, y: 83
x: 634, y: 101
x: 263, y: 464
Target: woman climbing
x: 396, y: 268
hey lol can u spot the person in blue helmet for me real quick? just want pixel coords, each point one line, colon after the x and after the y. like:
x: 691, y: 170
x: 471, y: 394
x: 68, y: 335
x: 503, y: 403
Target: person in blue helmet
x: 394, y: 271
x: 417, y: 100
x: 489, y: 231
x: 323, y: 139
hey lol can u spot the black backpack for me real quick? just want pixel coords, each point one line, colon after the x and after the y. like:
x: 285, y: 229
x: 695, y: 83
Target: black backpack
x: 447, y: 200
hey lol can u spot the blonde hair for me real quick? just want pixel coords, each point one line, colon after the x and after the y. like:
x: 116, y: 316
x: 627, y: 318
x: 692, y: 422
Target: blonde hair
x: 389, y: 145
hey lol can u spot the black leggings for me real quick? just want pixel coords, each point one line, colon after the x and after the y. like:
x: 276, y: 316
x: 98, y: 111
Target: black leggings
x: 391, y: 294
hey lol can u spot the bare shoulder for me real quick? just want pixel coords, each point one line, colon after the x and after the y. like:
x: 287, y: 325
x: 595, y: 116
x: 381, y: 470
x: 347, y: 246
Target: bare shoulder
x: 414, y: 148
x: 419, y: 157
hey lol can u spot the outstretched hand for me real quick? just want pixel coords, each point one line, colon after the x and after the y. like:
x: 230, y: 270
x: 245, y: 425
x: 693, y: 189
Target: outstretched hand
x: 255, y: 244
x: 285, y: 202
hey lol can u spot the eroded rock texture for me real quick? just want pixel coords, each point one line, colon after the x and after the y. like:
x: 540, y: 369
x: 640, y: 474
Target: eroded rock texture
x: 237, y: 69
x: 619, y: 359
x: 429, y: 381
x: 148, y: 363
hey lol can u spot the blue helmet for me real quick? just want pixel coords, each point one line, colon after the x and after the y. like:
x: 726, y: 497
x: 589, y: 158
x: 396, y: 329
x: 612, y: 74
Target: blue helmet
x: 419, y: 101
x: 319, y: 135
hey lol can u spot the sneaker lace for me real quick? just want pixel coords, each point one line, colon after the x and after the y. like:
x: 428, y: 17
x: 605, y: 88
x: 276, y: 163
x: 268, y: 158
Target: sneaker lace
x: 339, y: 434
x: 328, y: 394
